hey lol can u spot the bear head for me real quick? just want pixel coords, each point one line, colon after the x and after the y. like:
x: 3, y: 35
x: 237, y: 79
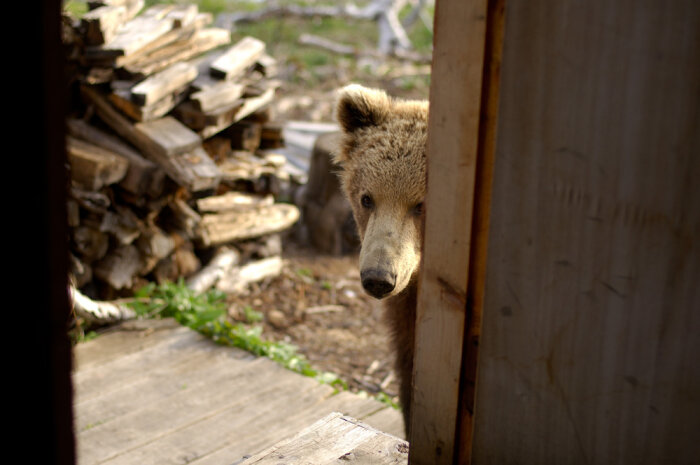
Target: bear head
x: 382, y: 156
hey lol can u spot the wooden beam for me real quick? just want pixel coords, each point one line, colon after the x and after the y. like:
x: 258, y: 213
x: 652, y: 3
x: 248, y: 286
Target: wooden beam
x: 453, y: 149
x: 486, y: 151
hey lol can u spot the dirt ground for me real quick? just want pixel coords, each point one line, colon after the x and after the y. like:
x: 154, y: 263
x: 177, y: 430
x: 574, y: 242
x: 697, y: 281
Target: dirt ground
x: 318, y: 305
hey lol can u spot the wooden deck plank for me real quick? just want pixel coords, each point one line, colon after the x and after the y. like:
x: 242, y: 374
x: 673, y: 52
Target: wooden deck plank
x: 160, y: 393
x: 124, y: 339
x: 249, y: 417
x: 139, y: 394
x: 101, y: 379
x: 258, y: 387
x: 343, y: 402
x: 335, y: 439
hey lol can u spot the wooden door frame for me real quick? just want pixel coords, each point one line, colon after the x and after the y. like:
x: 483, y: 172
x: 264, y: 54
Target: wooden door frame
x: 461, y: 146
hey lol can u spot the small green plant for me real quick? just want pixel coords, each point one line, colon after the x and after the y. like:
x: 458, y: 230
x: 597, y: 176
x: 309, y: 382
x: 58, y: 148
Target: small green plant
x: 206, y: 312
x: 251, y: 315
x: 178, y: 301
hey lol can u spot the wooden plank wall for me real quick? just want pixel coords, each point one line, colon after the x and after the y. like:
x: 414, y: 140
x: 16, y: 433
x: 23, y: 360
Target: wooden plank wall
x: 590, y: 343
x: 462, y: 118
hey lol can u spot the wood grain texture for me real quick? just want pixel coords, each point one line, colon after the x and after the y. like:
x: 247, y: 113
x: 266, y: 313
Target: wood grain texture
x: 152, y: 391
x: 453, y: 133
x: 495, y: 23
x: 591, y: 330
x: 335, y: 439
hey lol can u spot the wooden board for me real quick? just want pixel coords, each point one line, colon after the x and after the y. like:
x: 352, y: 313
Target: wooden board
x: 591, y: 329
x: 237, y: 58
x: 228, y: 226
x: 134, y: 35
x: 185, y: 46
x: 453, y: 136
x: 154, y: 392
x: 165, y: 82
x: 168, y: 143
x: 336, y: 439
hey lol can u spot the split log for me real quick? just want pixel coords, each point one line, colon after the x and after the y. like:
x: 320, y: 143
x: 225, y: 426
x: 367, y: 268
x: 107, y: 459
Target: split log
x: 186, y: 46
x: 93, y: 167
x: 244, y: 135
x: 121, y: 99
x: 220, y: 265
x: 237, y: 280
x: 233, y: 201
x: 182, y: 262
x: 165, y: 141
x: 250, y: 106
x: 237, y: 58
x: 185, y: 218
x: 134, y: 35
x: 124, y: 226
x: 101, y: 24
x: 119, y: 268
x: 90, y: 243
x: 226, y: 227
x: 143, y: 176
x: 159, y: 85
x: 221, y: 94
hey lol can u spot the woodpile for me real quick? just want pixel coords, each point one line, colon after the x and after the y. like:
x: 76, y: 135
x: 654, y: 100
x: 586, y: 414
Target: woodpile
x: 171, y: 148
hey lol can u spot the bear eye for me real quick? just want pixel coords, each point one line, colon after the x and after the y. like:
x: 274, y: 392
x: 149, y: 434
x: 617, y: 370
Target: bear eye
x: 418, y: 209
x: 367, y: 201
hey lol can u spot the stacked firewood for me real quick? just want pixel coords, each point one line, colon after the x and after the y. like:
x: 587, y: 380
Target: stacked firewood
x: 171, y: 147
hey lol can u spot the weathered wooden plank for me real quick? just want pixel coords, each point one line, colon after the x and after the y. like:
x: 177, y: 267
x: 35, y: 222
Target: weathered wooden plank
x: 179, y: 371
x: 335, y: 439
x: 250, y: 106
x: 94, y: 167
x: 187, y: 46
x: 224, y: 227
x: 232, y: 200
x: 168, y: 136
x: 453, y: 138
x: 591, y: 330
x: 228, y: 398
x: 121, y: 99
x: 134, y: 35
x: 238, y: 58
x: 157, y: 86
x: 388, y: 420
x: 142, y: 175
x: 102, y: 24
x: 224, y: 93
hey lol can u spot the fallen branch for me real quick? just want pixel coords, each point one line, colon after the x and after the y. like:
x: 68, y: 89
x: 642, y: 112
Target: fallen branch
x: 392, y: 35
x: 99, y: 312
x: 219, y: 266
x: 238, y: 278
x: 348, y: 50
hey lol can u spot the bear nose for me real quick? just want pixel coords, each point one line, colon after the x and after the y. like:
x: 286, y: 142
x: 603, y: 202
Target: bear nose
x: 378, y: 283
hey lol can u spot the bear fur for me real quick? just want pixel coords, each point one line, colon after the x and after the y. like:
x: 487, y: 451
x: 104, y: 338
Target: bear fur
x: 382, y: 156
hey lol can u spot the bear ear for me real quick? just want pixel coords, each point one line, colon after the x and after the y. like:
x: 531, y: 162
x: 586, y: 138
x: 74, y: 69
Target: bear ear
x: 360, y: 107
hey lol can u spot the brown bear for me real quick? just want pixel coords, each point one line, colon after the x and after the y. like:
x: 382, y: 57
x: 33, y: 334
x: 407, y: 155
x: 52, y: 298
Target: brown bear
x: 382, y: 156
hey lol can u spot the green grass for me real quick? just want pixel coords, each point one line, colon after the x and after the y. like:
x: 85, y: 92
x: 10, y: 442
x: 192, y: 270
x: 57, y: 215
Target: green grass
x: 206, y: 313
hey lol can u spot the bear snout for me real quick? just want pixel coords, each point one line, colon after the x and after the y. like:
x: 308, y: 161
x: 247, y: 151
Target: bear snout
x: 377, y: 282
